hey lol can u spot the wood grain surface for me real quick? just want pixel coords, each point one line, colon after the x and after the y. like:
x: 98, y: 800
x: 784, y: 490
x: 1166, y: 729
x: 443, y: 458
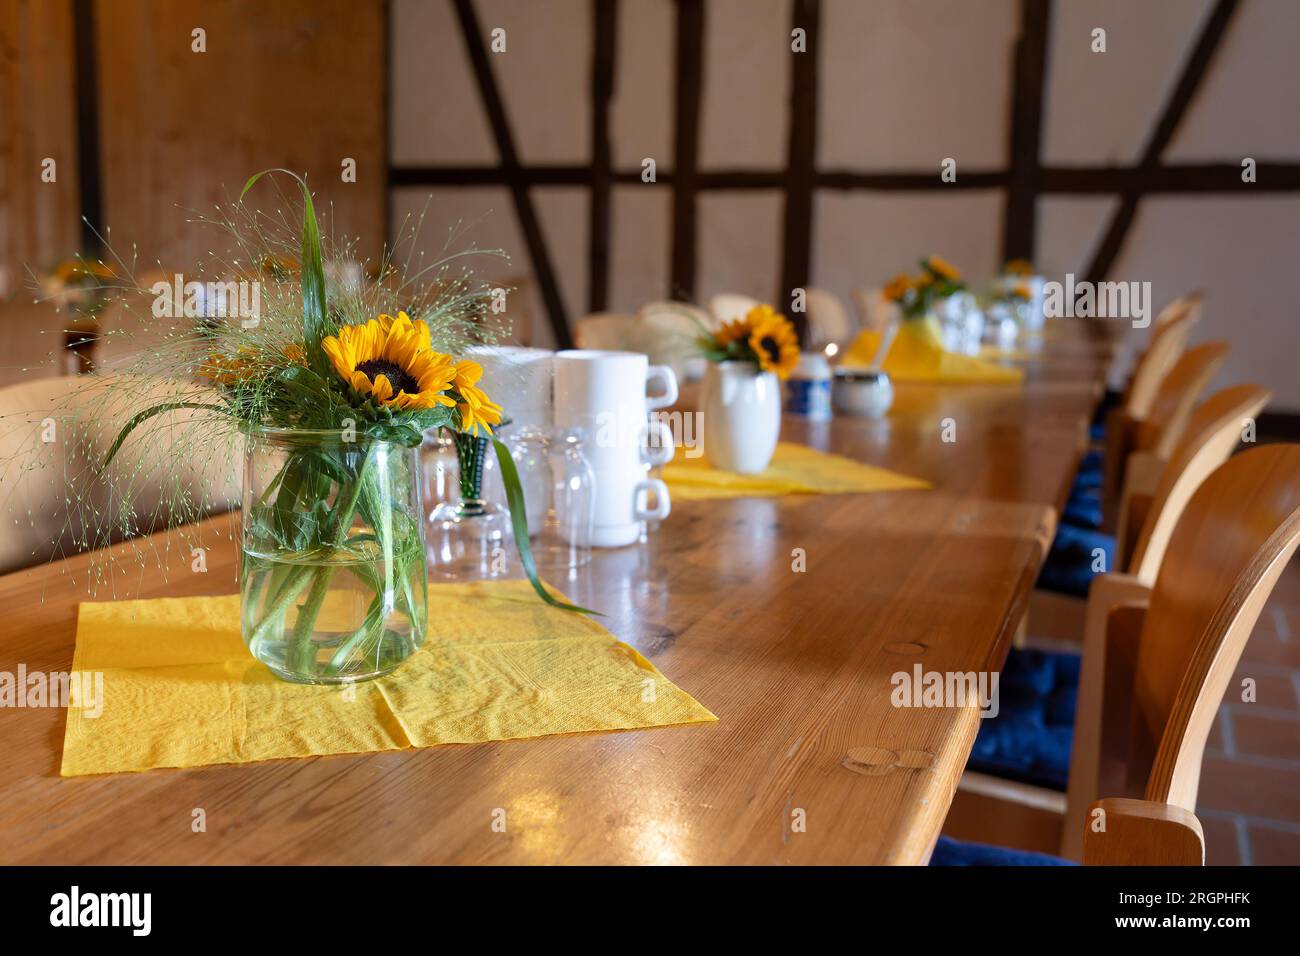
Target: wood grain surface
x: 809, y: 761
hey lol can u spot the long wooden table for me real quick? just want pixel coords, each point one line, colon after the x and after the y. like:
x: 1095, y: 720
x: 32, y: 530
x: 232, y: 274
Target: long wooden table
x: 809, y: 761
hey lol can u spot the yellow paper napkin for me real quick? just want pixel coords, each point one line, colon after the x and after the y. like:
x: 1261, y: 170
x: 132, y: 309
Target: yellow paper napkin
x: 918, y: 355
x: 795, y: 470
x: 181, y: 690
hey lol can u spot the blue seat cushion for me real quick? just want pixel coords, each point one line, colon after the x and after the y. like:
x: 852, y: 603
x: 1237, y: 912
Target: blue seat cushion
x: 1069, y: 568
x: 1091, y: 471
x: 950, y: 852
x: 1030, y: 738
x: 1083, y: 509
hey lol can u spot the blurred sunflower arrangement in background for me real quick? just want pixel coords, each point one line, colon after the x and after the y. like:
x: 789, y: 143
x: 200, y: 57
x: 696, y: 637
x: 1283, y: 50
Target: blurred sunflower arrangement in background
x: 916, y: 295
x: 763, y: 336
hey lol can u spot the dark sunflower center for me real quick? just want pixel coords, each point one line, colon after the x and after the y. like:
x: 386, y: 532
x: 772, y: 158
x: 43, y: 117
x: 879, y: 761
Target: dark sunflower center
x: 772, y: 347
x: 398, y: 377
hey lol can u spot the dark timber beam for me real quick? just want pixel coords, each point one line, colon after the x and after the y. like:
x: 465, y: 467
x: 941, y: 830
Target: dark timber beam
x: 1194, y: 70
x: 801, y: 158
x: 605, y: 35
x: 690, y: 77
x: 1179, y: 178
x: 512, y: 173
x: 1222, y: 177
x: 89, y: 178
x: 1020, y: 220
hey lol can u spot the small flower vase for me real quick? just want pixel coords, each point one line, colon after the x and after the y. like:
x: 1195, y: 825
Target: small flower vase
x: 333, y: 586
x: 470, y: 538
x: 742, y: 416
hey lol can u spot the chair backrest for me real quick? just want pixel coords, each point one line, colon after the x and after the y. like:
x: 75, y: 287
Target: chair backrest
x: 605, y: 330
x: 1177, y: 396
x: 34, y: 340
x: 53, y: 432
x: 828, y: 321
x: 1212, y: 433
x: 1154, y: 364
x: 1233, y: 541
x: 668, y: 332
x: 874, y: 310
x: 1189, y: 304
x: 727, y: 306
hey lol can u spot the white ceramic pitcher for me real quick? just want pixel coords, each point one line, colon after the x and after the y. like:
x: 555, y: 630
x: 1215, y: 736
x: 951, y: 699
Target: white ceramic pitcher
x: 742, y: 416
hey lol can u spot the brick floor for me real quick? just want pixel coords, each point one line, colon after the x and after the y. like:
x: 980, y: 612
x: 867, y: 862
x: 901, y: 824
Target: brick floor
x: 1249, y: 800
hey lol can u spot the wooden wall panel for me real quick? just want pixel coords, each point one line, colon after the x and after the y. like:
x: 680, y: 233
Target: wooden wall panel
x: 295, y: 83
x: 38, y: 221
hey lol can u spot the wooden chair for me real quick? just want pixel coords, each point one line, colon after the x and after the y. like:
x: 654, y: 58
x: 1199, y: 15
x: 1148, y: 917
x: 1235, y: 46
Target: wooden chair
x: 727, y: 306
x: 1168, y: 660
x: 667, y: 332
x: 1012, y: 807
x: 874, y: 310
x: 1125, y: 421
x: 1158, y: 433
x: 53, y: 432
x: 828, y: 322
x: 34, y: 341
x: 606, y: 330
x: 1156, y: 488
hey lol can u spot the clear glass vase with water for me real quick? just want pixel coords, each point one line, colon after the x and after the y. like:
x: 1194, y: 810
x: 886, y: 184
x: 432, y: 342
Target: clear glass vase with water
x: 333, y: 585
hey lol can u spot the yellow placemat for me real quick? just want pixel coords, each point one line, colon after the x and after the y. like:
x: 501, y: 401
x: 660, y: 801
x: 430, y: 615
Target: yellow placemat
x: 918, y: 355
x: 1012, y: 354
x: 795, y: 470
x: 181, y: 690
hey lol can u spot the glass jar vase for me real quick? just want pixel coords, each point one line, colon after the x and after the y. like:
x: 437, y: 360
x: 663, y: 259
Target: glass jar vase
x: 333, y: 585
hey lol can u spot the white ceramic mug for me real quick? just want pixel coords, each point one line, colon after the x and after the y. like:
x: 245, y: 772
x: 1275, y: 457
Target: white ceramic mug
x: 605, y: 393
x: 621, y: 484
x: 595, y: 382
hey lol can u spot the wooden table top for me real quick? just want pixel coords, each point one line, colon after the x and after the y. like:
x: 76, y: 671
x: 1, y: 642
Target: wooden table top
x: 809, y: 762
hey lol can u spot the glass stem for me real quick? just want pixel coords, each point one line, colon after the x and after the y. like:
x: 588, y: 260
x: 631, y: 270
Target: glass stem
x: 300, y: 647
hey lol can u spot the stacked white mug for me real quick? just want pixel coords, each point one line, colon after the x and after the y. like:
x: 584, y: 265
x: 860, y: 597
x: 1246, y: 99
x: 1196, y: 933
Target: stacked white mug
x: 605, y: 393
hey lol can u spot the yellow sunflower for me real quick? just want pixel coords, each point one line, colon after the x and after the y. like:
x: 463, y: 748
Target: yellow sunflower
x: 391, y: 360
x: 1018, y: 267
x: 943, y: 268
x: 732, y: 331
x: 897, y: 287
x: 476, y: 409
x: 71, y: 269
x: 772, y: 338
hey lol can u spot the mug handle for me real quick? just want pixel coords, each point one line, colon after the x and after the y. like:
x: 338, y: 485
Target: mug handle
x: 641, y: 500
x: 661, y: 453
x: 667, y: 378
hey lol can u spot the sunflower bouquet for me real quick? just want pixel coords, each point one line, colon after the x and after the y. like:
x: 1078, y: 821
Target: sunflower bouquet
x: 330, y: 390
x: 917, y: 295
x: 763, y: 336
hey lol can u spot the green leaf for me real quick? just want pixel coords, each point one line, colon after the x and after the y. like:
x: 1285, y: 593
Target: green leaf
x: 315, y: 321
x: 519, y: 521
x: 140, y: 418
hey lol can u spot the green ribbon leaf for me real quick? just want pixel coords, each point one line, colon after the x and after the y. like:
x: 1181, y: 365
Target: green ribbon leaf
x: 315, y: 322
x: 140, y: 418
x: 519, y: 521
